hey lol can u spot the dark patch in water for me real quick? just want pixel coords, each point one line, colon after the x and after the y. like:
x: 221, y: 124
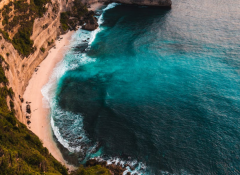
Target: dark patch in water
x: 81, y: 48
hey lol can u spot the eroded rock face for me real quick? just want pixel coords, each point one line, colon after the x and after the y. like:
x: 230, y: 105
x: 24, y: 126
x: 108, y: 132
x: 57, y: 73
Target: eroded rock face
x: 45, y: 30
x: 160, y: 3
x: 91, y: 24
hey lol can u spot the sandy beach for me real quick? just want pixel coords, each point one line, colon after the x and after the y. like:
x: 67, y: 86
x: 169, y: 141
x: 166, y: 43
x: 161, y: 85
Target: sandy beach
x: 40, y: 121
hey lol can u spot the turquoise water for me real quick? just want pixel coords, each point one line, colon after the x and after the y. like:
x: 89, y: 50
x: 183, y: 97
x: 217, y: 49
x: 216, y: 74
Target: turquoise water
x: 159, y: 89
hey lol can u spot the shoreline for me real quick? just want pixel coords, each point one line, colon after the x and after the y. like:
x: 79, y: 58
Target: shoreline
x: 40, y: 120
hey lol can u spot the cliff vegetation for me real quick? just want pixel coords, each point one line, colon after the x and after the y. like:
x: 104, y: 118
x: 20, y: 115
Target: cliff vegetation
x: 71, y: 19
x: 17, y: 20
x: 78, y: 15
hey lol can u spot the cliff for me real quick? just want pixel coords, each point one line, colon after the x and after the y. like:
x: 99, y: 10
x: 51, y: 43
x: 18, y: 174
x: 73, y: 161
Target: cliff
x: 21, y: 67
x: 159, y: 3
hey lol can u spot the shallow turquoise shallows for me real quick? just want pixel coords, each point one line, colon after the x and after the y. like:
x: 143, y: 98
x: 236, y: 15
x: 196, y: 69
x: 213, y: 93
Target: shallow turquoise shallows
x: 156, y: 88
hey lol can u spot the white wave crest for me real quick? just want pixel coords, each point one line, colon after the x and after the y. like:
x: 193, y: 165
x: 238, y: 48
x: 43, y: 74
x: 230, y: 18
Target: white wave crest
x: 132, y: 167
x: 74, y: 129
x: 110, y: 6
x: 100, y: 21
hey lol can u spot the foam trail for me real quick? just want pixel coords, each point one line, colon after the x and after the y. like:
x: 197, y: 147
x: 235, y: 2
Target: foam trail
x: 132, y: 167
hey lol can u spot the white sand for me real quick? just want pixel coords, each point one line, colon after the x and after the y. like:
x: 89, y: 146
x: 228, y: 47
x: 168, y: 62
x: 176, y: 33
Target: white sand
x: 40, y: 120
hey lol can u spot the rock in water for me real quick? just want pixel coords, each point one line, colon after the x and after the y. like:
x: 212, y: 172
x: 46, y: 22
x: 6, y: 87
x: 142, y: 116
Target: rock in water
x: 91, y: 24
x: 160, y: 3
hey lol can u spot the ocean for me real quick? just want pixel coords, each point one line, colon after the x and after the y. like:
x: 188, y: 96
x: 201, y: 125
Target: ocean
x: 157, y: 89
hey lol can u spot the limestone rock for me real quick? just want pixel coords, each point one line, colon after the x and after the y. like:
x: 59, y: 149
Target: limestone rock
x: 160, y: 3
x: 91, y: 24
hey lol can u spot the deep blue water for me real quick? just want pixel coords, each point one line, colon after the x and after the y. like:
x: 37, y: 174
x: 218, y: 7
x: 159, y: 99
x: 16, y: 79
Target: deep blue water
x: 161, y: 87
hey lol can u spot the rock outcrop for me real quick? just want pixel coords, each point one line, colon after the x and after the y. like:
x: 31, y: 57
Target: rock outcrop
x: 90, y: 22
x: 160, y: 3
x: 114, y: 169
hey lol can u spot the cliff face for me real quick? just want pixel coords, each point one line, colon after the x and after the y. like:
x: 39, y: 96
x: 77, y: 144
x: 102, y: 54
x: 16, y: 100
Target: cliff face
x: 45, y: 31
x: 160, y: 3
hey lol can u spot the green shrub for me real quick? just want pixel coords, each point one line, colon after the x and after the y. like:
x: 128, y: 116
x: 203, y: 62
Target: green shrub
x: 4, y: 22
x: 26, y: 15
x: 79, y: 9
x: 50, y: 42
x: 42, y: 49
x: 10, y: 93
x: 22, y: 41
x: 11, y: 105
x: 3, y: 78
x: 64, y: 20
x: 40, y: 6
x: 5, y: 35
x: 94, y: 170
x: 34, y: 159
x: 3, y: 60
x: 11, y: 119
